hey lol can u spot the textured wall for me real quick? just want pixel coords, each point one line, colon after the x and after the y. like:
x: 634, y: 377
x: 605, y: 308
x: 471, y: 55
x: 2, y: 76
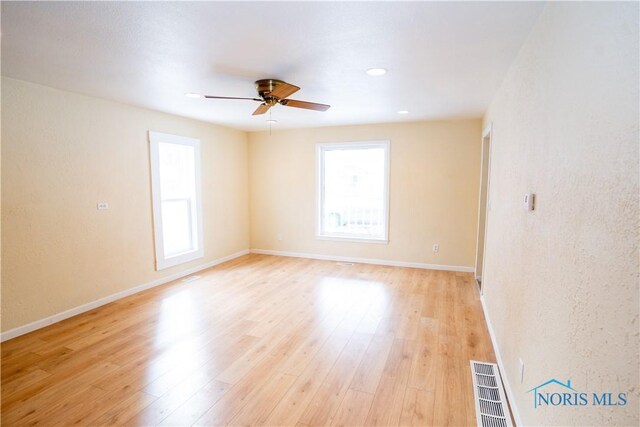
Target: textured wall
x: 62, y: 154
x: 433, y: 190
x: 561, y: 283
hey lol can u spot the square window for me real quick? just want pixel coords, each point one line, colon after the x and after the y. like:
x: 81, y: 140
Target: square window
x: 353, y: 189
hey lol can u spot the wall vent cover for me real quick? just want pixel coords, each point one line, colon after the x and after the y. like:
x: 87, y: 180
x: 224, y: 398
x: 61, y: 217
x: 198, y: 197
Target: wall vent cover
x: 491, y: 403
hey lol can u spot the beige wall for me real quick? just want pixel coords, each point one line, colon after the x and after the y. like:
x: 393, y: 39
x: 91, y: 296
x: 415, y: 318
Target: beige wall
x: 434, y: 177
x: 561, y: 283
x: 65, y: 152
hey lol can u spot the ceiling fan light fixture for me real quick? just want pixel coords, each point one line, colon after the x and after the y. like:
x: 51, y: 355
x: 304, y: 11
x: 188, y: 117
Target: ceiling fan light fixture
x: 272, y: 121
x: 376, y: 71
x: 403, y: 112
x: 192, y: 95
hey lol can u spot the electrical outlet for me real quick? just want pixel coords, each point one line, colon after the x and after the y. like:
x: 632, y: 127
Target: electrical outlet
x: 103, y: 206
x: 436, y: 248
x: 279, y: 237
x: 521, y: 371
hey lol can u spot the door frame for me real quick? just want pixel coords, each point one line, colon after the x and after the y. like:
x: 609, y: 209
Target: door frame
x: 487, y: 138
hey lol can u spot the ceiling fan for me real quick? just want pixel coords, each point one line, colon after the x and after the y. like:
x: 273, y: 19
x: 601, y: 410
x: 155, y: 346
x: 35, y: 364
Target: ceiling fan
x: 272, y: 92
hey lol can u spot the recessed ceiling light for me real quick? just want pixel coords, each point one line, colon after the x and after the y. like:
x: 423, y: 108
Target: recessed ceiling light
x: 403, y: 112
x: 376, y: 71
x: 272, y: 121
x: 193, y: 95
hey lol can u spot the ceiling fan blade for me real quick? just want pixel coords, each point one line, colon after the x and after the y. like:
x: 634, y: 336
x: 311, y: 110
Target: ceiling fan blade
x: 304, y: 104
x: 284, y: 89
x: 262, y: 108
x: 231, y: 97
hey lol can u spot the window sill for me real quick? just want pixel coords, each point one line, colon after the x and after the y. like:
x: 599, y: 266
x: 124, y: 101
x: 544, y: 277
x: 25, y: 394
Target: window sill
x: 353, y: 239
x: 162, y: 263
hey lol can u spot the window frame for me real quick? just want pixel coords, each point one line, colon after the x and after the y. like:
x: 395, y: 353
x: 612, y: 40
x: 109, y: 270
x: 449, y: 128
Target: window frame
x: 321, y: 148
x: 162, y: 262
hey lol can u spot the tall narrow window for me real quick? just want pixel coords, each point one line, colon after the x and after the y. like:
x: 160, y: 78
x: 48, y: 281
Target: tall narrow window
x: 177, y: 210
x: 353, y: 189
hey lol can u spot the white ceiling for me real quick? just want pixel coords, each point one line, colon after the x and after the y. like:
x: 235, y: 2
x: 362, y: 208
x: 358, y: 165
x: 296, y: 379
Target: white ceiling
x: 444, y: 59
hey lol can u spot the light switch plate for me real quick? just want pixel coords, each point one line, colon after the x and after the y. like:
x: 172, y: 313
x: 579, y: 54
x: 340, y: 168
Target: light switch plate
x: 529, y: 201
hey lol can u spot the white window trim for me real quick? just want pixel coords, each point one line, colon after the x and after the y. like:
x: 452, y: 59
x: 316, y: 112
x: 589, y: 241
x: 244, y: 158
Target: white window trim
x: 155, y: 138
x: 326, y: 146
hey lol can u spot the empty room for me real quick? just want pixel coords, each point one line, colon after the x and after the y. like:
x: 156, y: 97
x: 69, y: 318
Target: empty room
x: 320, y: 213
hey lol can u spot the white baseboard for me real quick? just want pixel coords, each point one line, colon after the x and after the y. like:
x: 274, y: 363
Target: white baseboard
x: 365, y: 260
x: 38, y: 324
x: 503, y: 372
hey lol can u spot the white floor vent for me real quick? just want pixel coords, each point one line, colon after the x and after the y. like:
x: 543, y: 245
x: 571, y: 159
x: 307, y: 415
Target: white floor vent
x: 491, y: 403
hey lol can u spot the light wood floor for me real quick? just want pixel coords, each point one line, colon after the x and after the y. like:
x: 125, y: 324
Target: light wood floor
x: 260, y: 340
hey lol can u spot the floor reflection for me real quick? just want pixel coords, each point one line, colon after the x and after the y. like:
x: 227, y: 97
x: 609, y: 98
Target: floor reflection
x: 337, y: 294
x: 174, y: 332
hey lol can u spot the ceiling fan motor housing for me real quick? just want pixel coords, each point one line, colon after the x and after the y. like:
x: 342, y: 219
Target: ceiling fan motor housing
x: 265, y: 87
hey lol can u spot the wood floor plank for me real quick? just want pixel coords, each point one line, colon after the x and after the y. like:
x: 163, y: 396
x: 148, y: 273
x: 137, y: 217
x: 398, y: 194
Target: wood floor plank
x: 327, y: 399
x: 353, y: 409
x: 71, y: 406
x: 411, y: 318
x: 423, y: 368
x: 13, y: 350
x: 263, y: 400
x: 293, y: 404
x: 388, y: 400
x: 232, y: 402
x: 450, y: 385
x: 417, y: 408
x: 32, y: 404
x: 178, y: 388
x: 120, y: 413
x: 189, y: 412
x: 18, y: 368
x: 368, y: 375
x: 19, y: 383
x: 260, y: 340
x: 262, y: 348
x: 94, y: 403
x: 408, y: 406
x: 311, y: 343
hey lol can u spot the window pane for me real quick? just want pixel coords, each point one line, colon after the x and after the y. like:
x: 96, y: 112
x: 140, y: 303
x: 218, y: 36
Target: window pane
x: 177, y: 196
x: 176, y: 226
x: 177, y: 171
x: 354, y: 192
